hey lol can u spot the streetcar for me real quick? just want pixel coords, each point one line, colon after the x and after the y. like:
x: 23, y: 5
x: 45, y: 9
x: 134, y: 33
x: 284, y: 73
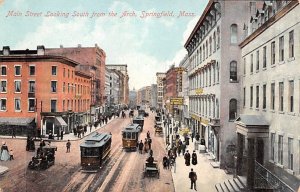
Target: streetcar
x: 94, y: 150
x: 130, y: 136
x: 139, y: 120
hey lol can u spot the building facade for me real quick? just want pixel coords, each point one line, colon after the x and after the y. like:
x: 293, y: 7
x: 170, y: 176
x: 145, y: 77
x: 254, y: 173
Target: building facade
x: 123, y: 78
x: 42, y: 88
x: 153, y: 102
x: 213, y: 75
x: 160, y: 88
x: 270, y: 94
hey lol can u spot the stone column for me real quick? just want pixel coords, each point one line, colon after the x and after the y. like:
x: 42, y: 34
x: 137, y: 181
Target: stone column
x: 250, y: 164
x: 239, y: 148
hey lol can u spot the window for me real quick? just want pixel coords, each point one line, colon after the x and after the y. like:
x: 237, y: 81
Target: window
x: 257, y: 97
x: 17, y: 70
x: 206, y: 47
x: 281, y: 48
x: 31, y: 88
x: 291, y: 96
x: 53, y: 86
x: 68, y: 73
x: 54, y: 70
x: 64, y: 72
x: 203, y: 52
x: 251, y: 96
x: 290, y: 154
x: 2, y: 104
x: 264, y: 57
x: 53, y: 105
x: 264, y: 96
x: 68, y: 87
x: 291, y: 44
x: 3, y: 70
x: 232, y: 109
x: 273, y: 146
x: 273, y: 53
x: 31, y: 105
x: 17, y: 104
x: 218, y: 37
x: 257, y: 60
x: 273, y: 96
x: 244, y: 65
x: 64, y: 87
x: 233, y: 33
x: 200, y: 54
x: 233, y: 71
x: 31, y: 70
x: 280, y: 149
x: 214, y: 42
x: 3, y: 86
x: 281, y: 89
x: 17, y: 86
x: 210, y: 45
x: 244, y: 97
x: 63, y: 105
x: 251, y: 66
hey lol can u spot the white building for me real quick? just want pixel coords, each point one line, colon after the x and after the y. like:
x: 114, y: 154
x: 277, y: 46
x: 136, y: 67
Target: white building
x: 270, y: 92
x: 214, y: 55
x: 160, y: 89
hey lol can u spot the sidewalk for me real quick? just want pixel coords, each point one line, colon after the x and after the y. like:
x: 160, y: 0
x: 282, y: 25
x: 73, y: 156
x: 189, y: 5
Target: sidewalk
x: 207, y: 176
x: 69, y: 136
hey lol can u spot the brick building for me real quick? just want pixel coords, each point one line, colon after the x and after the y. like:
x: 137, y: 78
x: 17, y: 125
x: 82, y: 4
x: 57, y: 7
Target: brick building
x: 41, y: 91
x: 91, y: 61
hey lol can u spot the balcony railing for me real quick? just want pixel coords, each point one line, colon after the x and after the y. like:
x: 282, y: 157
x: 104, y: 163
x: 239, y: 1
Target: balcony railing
x: 264, y: 179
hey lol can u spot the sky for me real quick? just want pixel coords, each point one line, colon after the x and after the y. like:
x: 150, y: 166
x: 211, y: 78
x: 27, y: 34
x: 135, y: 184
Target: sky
x: 146, y: 44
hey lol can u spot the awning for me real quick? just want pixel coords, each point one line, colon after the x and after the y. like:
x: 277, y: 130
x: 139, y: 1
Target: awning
x: 252, y: 126
x: 21, y: 121
x: 61, y: 121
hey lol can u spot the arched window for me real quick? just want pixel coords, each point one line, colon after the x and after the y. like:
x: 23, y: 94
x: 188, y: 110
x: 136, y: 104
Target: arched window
x: 214, y: 42
x: 233, y: 71
x: 218, y: 37
x: 232, y: 109
x: 233, y: 33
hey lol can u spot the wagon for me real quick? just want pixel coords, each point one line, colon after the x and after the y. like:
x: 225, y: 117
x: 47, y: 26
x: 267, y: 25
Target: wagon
x: 44, y: 158
x: 158, y: 130
x: 151, y: 169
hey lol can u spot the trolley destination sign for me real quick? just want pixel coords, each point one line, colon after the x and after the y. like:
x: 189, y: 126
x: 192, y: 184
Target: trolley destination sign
x: 176, y: 101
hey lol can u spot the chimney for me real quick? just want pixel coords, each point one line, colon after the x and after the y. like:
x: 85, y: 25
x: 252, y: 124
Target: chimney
x: 40, y: 50
x: 6, y: 50
x: 61, y: 46
x: 79, y: 45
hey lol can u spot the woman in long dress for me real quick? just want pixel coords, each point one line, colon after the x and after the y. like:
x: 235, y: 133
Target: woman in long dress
x: 4, y: 153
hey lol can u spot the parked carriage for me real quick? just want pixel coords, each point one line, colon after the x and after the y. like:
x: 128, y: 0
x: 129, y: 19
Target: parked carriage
x: 130, y: 136
x: 95, y: 150
x: 151, y: 169
x: 139, y: 120
x: 44, y: 158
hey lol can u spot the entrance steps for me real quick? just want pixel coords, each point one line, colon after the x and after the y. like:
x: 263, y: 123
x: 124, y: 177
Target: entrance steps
x: 237, y: 184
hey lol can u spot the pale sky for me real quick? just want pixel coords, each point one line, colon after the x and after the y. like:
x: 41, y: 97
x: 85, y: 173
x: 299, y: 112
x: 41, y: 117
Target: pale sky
x: 146, y: 45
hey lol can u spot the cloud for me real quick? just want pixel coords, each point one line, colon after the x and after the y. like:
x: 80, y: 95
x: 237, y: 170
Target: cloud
x: 189, y: 29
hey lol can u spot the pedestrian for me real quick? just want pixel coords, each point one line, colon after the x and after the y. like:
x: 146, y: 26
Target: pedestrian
x: 202, y: 142
x: 187, y: 157
x: 193, y: 178
x: 196, y: 145
x: 11, y: 155
x: 141, y: 146
x: 61, y: 135
x: 13, y: 135
x: 149, y: 142
x: 58, y: 136
x: 183, y: 147
x: 194, y: 158
x: 146, y: 146
x: 151, y: 152
x: 90, y: 127
x: 4, y: 155
x: 68, y: 145
x: 193, y: 135
x: 148, y: 134
x: 197, y: 136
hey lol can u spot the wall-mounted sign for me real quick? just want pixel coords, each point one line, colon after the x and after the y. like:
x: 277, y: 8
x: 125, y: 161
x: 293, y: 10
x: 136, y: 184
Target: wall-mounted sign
x: 199, y: 91
x: 176, y: 101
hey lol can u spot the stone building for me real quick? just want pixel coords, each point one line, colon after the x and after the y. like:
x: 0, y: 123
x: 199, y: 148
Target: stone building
x: 213, y: 71
x: 159, y: 83
x: 268, y: 134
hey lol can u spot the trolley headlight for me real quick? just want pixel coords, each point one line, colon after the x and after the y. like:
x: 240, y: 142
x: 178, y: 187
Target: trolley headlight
x: 89, y: 164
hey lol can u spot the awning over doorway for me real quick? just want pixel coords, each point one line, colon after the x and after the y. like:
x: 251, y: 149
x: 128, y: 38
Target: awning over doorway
x: 21, y: 121
x: 252, y: 126
x: 61, y: 121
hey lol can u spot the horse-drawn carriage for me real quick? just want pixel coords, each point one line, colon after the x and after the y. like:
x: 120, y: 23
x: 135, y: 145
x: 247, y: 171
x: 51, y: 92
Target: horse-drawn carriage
x: 44, y: 158
x: 151, y: 169
x: 158, y: 130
